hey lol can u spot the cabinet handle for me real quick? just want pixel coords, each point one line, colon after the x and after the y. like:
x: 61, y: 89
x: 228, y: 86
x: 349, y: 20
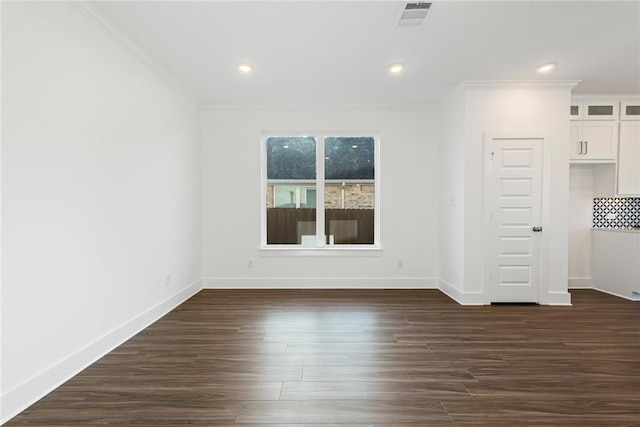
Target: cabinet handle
x: 586, y: 147
x: 580, y: 142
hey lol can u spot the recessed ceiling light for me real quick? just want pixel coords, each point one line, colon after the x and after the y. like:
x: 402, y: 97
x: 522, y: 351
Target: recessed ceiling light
x: 396, y: 68
x: 545, y: 68
x: 245, y: 67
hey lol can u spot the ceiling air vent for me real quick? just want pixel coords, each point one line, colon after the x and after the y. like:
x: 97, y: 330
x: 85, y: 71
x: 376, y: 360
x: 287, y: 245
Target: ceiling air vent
x: 414, y: 13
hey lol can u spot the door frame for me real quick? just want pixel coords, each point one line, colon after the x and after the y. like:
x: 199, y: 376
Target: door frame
x: 543, y: 135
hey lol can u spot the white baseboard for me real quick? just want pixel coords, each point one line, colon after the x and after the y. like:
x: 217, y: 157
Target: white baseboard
x: 558, y: 298
x: 628, y: 297
x: 478, y: 298
x: 462, y: 298
x: 30, y: 391
x: 580, y: 283
x: 320, y: 283
x: 344, y: 283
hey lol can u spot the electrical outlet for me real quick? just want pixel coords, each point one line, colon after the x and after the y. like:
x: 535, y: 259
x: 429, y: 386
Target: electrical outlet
x: 167, y: 280
x: 250, y: 263
x: 400, y: 264
x: 611, y: 216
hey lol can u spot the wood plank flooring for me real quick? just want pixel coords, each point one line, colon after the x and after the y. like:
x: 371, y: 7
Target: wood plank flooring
x: 363, y: 358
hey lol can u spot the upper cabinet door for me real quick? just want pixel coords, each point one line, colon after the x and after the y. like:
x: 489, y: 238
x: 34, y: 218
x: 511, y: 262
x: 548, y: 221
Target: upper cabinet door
x: 594, y: 110
x: 593, y: 141
x: 575, y: 112
x: 600, y: 140
x: 630, y: 110
x: 576, y: 144
x: 600, y: 110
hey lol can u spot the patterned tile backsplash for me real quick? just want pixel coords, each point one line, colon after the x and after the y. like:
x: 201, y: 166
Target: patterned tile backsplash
x: 627, y: 210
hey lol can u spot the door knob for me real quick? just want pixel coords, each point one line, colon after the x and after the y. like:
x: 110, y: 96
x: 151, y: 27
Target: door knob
x: 537, y: 229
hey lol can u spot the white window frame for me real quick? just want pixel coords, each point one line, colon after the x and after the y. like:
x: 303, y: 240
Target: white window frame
x: 321, y: 248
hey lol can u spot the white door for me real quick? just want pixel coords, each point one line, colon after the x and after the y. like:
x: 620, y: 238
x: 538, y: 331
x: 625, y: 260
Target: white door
x: 513, y: 223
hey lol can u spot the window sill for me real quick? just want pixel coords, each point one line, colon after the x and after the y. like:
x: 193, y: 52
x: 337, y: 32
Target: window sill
x: 347, y: 251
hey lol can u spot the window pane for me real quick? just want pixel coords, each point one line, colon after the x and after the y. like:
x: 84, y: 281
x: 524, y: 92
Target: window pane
x: 291, y: 158
x: 600, y: 110
x: 291, y: 190
x: 349, y: 158
x: 632, y: 110
x: 349, y: 192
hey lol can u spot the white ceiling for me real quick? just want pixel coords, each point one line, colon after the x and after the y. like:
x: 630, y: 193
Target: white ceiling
x: 337, y: 52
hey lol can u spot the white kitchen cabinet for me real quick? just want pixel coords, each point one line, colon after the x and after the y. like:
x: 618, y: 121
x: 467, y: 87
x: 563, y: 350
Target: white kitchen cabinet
x: 594, y: 110
x: 630, y: 110
x: 615, y: 265
x: 575, y: 112
x: 629, y: 159
x: 594, y: 141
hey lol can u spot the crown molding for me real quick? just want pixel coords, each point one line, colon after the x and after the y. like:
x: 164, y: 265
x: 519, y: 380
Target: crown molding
x: 510, y: 84
x: 605, y: 97
x: 124, y: 40
x: 519, y: 84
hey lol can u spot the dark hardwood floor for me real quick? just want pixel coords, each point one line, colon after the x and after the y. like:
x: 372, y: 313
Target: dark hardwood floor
x: 363, y: 358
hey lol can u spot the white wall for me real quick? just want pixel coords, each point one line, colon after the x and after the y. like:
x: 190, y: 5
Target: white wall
x: 490, y: 106
x: 452, y: 173
x: 513, y: 109
x: 100, y: 196
x: 409, y: 144
x: 580, y: 223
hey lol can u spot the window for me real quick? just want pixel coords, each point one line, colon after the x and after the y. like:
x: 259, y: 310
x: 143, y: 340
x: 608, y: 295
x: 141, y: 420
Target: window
x: 320, y: 191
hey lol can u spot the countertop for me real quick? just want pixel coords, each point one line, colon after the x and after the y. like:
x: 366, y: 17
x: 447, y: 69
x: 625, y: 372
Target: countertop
x: 618, y: 230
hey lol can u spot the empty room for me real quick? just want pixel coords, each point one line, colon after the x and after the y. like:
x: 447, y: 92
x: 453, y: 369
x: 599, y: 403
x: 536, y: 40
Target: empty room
x: 320, y: 213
